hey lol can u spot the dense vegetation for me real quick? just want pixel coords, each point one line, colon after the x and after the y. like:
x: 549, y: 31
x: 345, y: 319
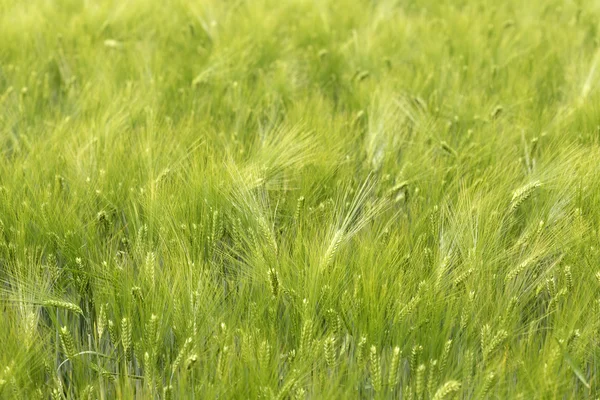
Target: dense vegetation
x: 299, y: 199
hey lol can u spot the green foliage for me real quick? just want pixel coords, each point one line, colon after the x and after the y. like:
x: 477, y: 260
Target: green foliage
x: 299, y: 199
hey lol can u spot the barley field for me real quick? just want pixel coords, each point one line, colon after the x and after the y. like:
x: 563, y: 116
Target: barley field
x: 299, y: 199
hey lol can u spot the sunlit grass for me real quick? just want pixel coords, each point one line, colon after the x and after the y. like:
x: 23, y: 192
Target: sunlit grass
x: 299, y: 199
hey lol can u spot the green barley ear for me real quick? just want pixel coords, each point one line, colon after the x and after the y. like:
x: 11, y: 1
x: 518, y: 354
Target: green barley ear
x: 522, y: 194
x: 126, y: 338
x: 306, y: 338
x: 446, y: 389
x: 299, y: 394
x: 284, y: 392
x: 427, y: 256
x: 432, y: 378
x: 8, y: 376
x: 334, y: 322
x: 264, y: 355
x: 254, y: 240
x: 408, y: 392
x: 149, y: 371
x: 299, y: 209
x: 555, y: 300
x: 291, y: 355
x: 67, y: 342
x: 409, y: 308
x: 102, y: 321
x: 434, y: 218
x: 540, y: 227
x: 274, y: 280
x: 137, y: 294
x: 569, y: 278
x: 520, y: 268
x: 329, y: 348
x: 182, y: 353
x: 237, y: 233
x: 486, y: 332
x: 152, y: 333
x: 267, y: 234
x: 221, y: 363
x: 468, y: 367
x: 414, y: 357
x: 445, y: 354
x: 56, y: 394
x: 29, y: 327
x: 265, y: 393
x: 494, y: 343
x: 489, y: 381
x: 112, y: 331
x: 375, y: 369
x: 215, y: 230
x: 551, y: 360
x: 442, y: 270
x: 63, y: 304
x: 576, y: 334
x: 360, y: 349
x: 150, y: 268
x: 87, y: 393
x: 393, y: 377
x: 247, y: 347
x: 333, y: 248
x: 462, y: 277
x: 106, y: 375
x: 47, y: 369
x: 140, y: 238
x: 420, y: 381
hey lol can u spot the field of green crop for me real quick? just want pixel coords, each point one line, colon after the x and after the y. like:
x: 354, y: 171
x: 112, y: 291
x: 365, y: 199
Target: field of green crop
x: 299, y: 199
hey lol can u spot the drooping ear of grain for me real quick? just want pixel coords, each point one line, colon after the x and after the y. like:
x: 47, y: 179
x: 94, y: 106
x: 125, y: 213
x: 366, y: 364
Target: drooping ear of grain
x: 522, y: 194
x: 63, y: 304
x: 446, y: 390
